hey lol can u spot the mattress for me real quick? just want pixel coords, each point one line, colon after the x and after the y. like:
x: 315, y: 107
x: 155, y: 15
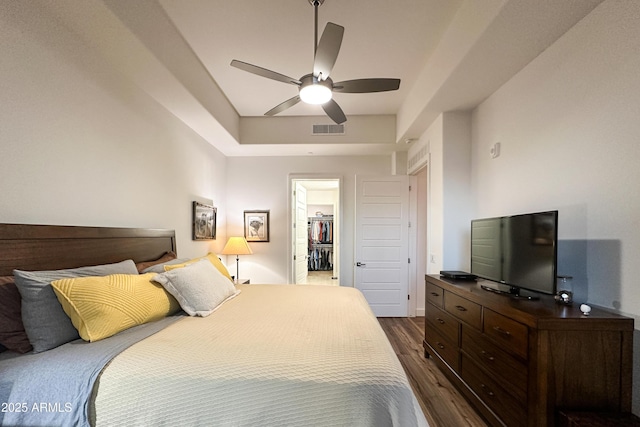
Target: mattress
x: 276, y: 355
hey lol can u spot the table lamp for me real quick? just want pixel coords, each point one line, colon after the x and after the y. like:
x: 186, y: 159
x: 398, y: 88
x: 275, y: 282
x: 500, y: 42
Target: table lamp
x: 237, y: 246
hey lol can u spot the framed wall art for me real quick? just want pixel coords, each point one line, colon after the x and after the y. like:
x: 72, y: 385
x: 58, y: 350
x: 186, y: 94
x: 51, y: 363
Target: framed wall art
x: 204, y: 221
x: 256, y: 226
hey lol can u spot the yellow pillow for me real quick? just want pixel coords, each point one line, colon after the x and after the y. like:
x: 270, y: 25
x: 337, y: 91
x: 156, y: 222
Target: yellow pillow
x: 103, y: 306
x: 213, y: 258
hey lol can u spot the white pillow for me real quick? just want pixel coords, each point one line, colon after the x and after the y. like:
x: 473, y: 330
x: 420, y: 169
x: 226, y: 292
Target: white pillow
x: 199, y: 287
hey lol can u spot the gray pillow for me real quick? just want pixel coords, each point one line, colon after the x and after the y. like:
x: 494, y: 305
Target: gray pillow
x: 200, y: 288
x: 45, y: 323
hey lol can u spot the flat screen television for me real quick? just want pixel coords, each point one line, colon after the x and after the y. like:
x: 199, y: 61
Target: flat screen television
x: 517, y: 252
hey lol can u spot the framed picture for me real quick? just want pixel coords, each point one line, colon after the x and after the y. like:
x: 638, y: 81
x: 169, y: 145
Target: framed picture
x: 204, y: 221
x: 256, y: 226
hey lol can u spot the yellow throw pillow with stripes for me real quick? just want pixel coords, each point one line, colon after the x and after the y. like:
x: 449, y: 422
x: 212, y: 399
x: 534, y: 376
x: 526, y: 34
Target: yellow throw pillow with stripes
x: 213, y: 258
x: 103, y: 306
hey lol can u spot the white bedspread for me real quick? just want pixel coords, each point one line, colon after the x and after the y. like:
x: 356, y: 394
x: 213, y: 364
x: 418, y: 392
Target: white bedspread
x: 276, y: 355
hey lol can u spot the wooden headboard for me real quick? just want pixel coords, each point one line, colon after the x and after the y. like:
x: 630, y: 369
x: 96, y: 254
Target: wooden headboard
x: 53, y: 247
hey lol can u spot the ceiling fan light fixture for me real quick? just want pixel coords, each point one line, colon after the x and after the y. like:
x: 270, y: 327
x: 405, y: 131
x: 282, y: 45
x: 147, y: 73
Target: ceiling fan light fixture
x: 315, y: 94
x: 314, y: 91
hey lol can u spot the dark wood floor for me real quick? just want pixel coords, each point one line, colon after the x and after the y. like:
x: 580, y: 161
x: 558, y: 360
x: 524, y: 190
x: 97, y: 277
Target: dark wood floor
x: 441, y: 402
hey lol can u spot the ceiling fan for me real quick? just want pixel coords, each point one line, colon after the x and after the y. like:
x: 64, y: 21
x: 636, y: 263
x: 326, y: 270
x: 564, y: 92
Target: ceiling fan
x: 317, y: 87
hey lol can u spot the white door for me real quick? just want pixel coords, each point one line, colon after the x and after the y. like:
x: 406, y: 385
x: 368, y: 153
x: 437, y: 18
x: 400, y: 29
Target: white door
x: 301, y: 244
x: 382, y: 249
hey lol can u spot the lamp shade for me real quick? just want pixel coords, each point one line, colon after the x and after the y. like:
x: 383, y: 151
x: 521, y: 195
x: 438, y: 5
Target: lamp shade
x: 237, y: 246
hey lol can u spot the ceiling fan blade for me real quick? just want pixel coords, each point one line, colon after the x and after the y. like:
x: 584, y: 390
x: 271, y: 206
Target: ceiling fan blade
x: 327, y: 50
x: 366, y: 85
x: 263, y: 72
x: 334, y: 111
x: 283, y: 106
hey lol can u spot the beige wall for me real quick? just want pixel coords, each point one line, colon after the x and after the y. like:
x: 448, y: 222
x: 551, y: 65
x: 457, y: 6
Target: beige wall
x: 79, y: 145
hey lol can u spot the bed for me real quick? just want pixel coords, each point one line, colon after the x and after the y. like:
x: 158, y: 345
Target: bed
x: 285, y: 355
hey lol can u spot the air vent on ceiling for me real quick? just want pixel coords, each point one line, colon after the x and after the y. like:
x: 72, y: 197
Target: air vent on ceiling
x: 327, y: 130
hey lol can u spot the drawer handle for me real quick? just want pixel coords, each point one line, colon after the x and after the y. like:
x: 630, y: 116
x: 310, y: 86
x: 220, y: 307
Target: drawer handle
x: 460, y: 308
x: 487, y: 390
x: 440, y: 320
x: 488, y: 356
x: 502, y: 331
x: 435, y: 294
x: 440, y: 345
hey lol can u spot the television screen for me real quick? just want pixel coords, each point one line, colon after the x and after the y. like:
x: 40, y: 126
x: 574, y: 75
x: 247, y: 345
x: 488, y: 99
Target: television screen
x: 519, y: 250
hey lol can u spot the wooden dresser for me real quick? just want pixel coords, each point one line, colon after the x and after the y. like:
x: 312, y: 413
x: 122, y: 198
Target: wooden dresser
x: 520, y: 361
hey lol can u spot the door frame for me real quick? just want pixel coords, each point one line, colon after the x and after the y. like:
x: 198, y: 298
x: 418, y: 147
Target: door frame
x: 414, y: 278
x: 300, y: 233
x: 337, y: 220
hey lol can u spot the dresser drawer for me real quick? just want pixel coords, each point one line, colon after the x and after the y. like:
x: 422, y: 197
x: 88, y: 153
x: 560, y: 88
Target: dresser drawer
x: 510, y: 334
x: 444, y: 323
x: 434, y: 294
x: 447, y: 350
x: 504, y: 367
x: 508, y: 407
x: 463, y: 309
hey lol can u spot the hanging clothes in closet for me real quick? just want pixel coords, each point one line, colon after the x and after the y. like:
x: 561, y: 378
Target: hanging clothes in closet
x: 320, y: 243
x: 320, y: 230
x: 320, y: 258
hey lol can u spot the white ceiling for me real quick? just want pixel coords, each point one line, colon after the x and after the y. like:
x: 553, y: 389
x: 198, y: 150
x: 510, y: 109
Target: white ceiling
x: 449, y: 55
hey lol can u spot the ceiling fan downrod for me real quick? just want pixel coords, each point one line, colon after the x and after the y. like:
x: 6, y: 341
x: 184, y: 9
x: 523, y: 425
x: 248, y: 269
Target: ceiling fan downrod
x: 315, y: 4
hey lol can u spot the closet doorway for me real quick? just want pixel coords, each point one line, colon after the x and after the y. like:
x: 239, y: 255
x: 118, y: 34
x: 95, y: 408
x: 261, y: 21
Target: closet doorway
x: 315, y: 229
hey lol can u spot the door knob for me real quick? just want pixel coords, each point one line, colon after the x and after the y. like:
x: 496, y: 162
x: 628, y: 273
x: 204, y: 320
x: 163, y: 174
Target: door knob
x: 359, y: 264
